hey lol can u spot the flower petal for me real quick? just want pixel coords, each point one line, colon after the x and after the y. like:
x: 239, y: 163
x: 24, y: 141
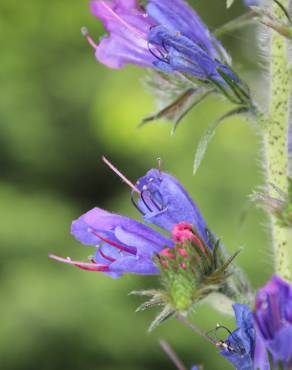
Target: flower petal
x: 180, y: 17
x: 134, y: 265
x: 166, y: 203
x: 242, y: 340
x: 122, y: 228
x: 128, y: 26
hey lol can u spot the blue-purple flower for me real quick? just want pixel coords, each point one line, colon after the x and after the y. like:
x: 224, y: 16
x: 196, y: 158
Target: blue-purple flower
x: 244, y: 347
x: 123, y: 245
x: 273, y: 316
x: 240, y: 345
x: 167, y: 35
x: 164, y: 202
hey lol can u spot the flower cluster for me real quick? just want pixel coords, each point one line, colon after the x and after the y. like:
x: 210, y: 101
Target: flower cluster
x: 124, y: 245
x: 171, y: 39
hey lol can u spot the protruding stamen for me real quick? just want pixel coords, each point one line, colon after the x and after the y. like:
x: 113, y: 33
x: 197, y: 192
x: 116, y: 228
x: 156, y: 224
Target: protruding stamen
x: 159, y: 161
x: 121, y: 176
x: 114, y: 244
x: 85, y: 33
x: 82, y: 265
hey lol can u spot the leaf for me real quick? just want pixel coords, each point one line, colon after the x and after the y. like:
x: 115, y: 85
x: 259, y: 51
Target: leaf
x: 210, y: 132
x: 172, y: 110
x: 178, y: 109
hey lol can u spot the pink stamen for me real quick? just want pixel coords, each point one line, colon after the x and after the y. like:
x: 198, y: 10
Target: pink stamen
x: 167, y: 253
x: 183, y: 232
x: 81, y: 265
x: 105, y: 256
x: 182, y: 252
x: 85, y: 33
x: 123, y: 177
x: 114, y: 244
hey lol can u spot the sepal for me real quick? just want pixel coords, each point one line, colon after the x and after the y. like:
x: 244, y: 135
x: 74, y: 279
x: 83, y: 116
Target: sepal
x: 190, y: 272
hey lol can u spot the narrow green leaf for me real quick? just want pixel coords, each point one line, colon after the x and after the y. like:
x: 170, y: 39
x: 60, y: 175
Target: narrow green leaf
x: 235, y: 24
x: 178, y: 109
x: 228, y: 262
x: 209, y: 133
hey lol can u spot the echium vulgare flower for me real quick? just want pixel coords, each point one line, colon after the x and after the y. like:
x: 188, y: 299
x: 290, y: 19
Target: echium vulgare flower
x: 273, y: 317
x: 191, y: 262
x: 244, y: 347
x: 124, y: 245
x: 167, y: 35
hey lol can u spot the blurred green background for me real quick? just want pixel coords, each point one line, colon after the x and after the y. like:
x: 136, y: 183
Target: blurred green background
x: 59, y: 112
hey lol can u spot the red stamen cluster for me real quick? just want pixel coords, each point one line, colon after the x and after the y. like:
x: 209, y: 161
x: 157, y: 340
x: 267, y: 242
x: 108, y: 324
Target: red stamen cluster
x: 181, y: 234
x: 184, y: 232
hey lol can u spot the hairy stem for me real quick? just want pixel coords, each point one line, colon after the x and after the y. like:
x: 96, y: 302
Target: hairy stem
x: 276, y: 131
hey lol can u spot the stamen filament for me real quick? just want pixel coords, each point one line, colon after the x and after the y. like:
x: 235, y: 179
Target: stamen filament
x: 85, y: 33
x: 106, y: 256
x: 119, y: 173
x: 114, y: 244
x: 82, y: 265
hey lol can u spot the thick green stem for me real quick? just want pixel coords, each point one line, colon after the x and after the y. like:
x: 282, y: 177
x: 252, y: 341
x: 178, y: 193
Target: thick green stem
x: 276, y: 139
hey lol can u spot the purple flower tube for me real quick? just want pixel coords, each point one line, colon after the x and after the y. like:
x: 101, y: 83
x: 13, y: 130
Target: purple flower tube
x: 167, y: 35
